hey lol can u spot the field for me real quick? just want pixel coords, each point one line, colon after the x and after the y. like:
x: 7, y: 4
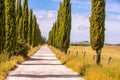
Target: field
x: 82, y: 60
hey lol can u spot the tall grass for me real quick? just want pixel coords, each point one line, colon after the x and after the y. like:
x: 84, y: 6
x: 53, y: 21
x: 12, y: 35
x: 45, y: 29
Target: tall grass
x: 85, y: 65
x: 6, y: 66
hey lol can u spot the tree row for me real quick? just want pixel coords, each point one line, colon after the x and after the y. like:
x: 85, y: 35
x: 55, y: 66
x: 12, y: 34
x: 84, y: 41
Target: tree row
x: 59, y: 36
x: 19, y: 29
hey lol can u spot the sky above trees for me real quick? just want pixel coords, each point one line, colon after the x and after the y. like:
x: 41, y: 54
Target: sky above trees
x: 46, y: 12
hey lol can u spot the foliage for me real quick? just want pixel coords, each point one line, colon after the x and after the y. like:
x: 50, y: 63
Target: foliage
x: 2, y: 25
x: 97, y: 23
x: 10, y: 26
x: 18, y: 30
x: 59, y: 36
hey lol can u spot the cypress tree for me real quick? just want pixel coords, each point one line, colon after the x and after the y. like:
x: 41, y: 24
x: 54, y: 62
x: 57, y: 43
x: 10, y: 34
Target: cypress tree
x: 2, y: 25
x: 97, y: 23
x: 25, y: 20
x: 10, y: 26
x: 60, y: 33
x: 30, y: 27
x: 18, y: 18
x: 49, y: 39
x: 57, y: 36
x: 33, y: 30
x: 65, y: 24
x: 37, y: 35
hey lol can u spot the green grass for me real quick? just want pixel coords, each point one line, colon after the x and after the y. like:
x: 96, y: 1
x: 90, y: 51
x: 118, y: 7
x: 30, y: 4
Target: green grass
x: 7, y: 66
x: 86, y: 66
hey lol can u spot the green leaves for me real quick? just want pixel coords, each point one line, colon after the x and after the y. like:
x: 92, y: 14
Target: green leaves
x: 2, y: 25
x: 10, y: 26
x: 97, y: 27
x: 97, y: 21
x: 18, y: 29
x: 59, y: 36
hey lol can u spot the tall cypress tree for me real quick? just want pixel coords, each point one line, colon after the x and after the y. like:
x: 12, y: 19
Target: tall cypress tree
x: 19, y: 15
x: 30, y: 27
x: 60, y: 33
x: 65, y: 24
x: 37, y: 35
x: 2, y: 25
x: 25, y: 19
x: 49, y: 38
x: 97, y: 23
x: 10, y: 26
x: 33, y: 30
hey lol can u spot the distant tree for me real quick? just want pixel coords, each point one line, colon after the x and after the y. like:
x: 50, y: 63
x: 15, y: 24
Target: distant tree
x: 97, y: 23
x: 30, y: 27
x: 25, y: 20
x: 49, y: 38
x: 33, y: 30
x: 18, y: 18
x: 2, y: 25
x: 59, y: 36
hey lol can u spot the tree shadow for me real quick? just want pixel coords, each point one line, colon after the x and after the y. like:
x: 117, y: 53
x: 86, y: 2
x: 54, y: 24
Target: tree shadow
x: 40, y: 64
x: 46, y: 76
x: 43, y: 56
x: 35, y: 59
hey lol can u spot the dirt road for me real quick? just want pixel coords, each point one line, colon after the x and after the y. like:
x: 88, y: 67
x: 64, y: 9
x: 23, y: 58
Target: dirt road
x: 43, y: 65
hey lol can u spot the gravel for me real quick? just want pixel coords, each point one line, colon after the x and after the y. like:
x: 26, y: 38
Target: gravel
x: 43, y: 65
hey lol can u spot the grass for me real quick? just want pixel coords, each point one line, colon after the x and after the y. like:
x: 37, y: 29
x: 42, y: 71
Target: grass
x: 85, y: 65
x: 7, y: 66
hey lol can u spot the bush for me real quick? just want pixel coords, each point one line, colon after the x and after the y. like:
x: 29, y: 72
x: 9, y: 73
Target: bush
x: 22, y: 48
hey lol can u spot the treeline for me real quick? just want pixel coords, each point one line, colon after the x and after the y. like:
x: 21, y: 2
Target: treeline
x: 59, y: 36
x: 19, y: 30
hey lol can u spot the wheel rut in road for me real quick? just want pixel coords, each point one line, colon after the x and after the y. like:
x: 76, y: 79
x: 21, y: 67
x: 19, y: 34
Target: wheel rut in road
x: 43, y: 65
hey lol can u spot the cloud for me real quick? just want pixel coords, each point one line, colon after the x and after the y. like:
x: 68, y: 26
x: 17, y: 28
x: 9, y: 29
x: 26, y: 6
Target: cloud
x: 115, y: 17
x: 45, y: 19
x: 43, y: 14
x: 112, y: 31
x: 79, y: 31
x: 80, y: 26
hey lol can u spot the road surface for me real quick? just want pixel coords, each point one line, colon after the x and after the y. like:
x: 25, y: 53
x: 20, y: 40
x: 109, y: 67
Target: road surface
x: 43, y: 65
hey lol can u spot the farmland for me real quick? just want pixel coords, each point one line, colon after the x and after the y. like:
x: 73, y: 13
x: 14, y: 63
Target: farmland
x: 81, y: 59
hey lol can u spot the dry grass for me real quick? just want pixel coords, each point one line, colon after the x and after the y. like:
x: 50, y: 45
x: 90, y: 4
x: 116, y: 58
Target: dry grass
x: 7, y: 66
x: 86, y: 66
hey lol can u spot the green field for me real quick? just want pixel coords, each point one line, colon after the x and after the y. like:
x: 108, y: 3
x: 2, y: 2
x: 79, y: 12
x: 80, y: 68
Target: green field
x: 85, y: 65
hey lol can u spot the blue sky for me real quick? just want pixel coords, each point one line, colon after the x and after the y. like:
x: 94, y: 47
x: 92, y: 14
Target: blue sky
x: 46, y: 12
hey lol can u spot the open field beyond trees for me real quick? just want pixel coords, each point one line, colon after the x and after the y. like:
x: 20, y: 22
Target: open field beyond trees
x: 82, y: 60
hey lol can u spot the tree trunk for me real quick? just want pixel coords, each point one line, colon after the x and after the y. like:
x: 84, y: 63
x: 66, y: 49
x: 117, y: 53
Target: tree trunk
x: 98, y: 56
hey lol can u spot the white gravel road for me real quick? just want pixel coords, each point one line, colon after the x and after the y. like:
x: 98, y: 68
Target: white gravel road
x: 43, y: 65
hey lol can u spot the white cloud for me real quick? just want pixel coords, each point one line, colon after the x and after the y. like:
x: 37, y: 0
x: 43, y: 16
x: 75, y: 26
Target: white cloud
x: 80, y: 26
x: 78, y: 34
x: 113, y: 17
x: 112, y: 31
x: 43, y: 14
x: 45, y: 20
